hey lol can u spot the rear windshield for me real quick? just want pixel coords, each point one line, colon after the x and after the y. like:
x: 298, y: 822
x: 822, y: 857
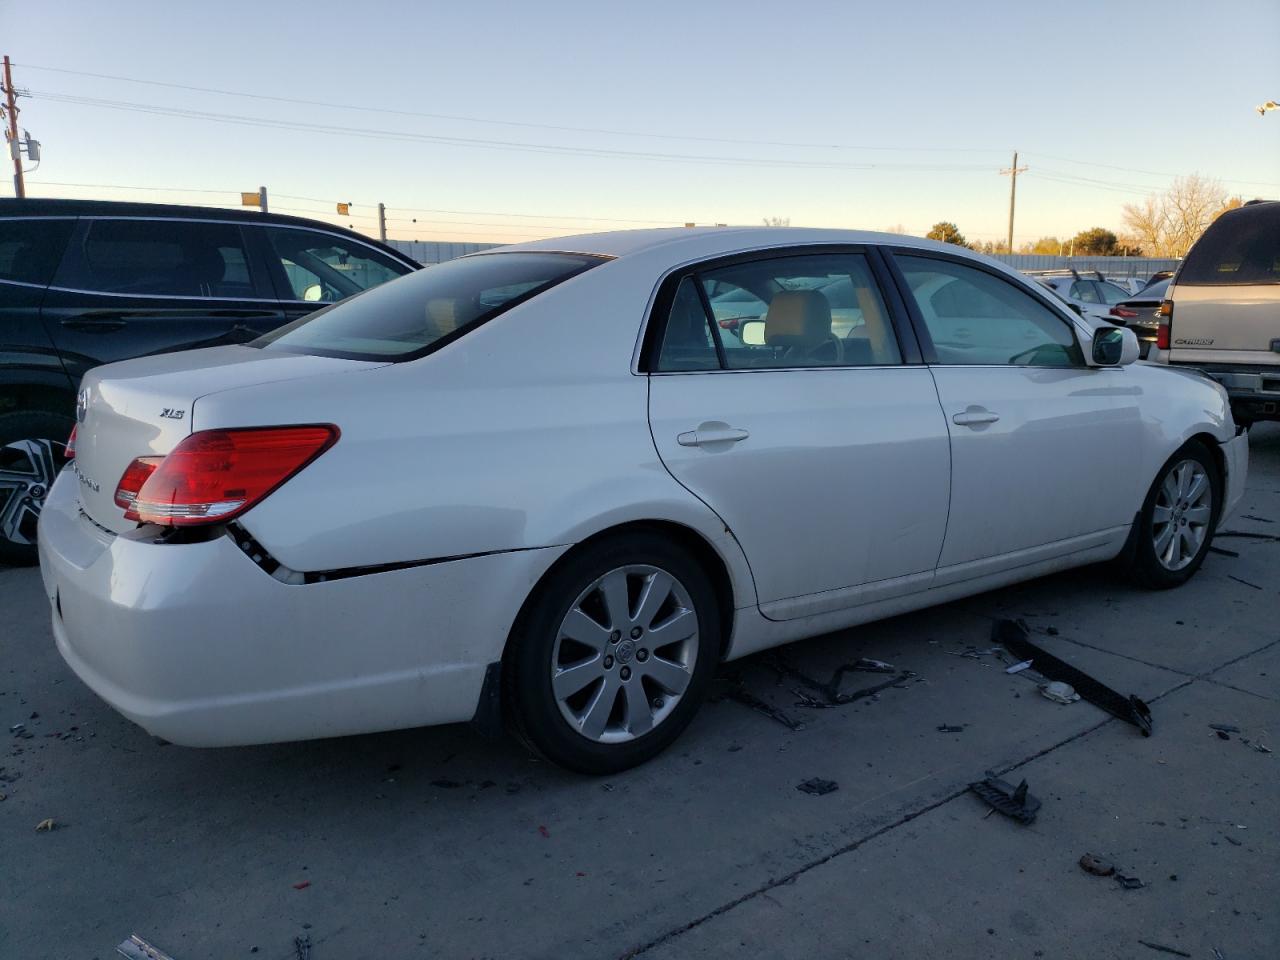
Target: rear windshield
x: 415, y: 314
x: 1242, y: 246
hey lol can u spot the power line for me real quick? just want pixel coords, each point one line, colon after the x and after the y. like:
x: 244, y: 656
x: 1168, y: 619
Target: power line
x: 1152, y: 173
x: 329, y: 105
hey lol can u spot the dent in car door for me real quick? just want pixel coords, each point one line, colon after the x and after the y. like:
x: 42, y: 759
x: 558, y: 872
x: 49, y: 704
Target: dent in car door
x: 1045, y: 452
x: 833, y: 479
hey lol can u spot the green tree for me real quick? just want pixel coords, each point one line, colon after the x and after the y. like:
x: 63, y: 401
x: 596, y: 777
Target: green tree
x: 1097, y: 242
x: 1044, y: 246
x: 948, y: 233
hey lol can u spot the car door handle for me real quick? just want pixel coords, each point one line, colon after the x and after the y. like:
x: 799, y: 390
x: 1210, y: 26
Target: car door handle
x: 974, y: 417
x: 711, y: 434
x: 94, y: 326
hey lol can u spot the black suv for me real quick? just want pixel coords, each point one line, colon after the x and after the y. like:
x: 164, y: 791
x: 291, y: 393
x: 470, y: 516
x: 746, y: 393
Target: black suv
x: 87, y: 282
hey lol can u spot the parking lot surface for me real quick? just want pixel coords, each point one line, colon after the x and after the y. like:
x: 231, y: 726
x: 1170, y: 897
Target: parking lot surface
x: 438, y: 843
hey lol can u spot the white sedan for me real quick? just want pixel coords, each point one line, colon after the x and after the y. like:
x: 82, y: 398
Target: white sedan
x: 546, y: 486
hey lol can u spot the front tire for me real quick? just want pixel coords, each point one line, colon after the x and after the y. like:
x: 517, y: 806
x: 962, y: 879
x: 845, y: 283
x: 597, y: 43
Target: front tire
x: 1176, y: 525
x: 613, y: 655
x: 32, y: 446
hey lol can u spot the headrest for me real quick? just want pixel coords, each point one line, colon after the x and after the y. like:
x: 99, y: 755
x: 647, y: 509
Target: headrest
x: 797, y: 318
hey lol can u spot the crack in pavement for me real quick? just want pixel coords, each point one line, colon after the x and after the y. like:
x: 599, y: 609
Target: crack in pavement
x: 790, y: 878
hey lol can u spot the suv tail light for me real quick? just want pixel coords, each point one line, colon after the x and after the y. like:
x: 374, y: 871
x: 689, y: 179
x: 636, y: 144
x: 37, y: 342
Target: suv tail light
x: 1165, y: 313
x: 1123, y: 312
x: 215, y: 475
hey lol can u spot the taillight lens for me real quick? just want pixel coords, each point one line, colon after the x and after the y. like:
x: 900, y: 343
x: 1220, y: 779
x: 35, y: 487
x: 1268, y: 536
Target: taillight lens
x: 70, y: 450
x: 215, y: 475
x: 1123, y: 312
x: 1165, y: 313
x: 135, y: 475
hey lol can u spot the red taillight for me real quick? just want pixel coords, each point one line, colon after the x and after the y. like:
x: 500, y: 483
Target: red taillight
x: 1123, y: 312
x: 730, y: 324
x: 70, y: 450
x: 135, y: 475
x: 215, y: 475
x: 1165, y: 313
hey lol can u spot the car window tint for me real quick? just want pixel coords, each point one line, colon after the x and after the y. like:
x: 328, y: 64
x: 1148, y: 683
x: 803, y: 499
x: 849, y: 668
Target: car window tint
x: 1113, y: 294
x: 687, y: 342
x: 808, y: 311
x: 1085, y: 291
x: 1241, y: 246
x: 974, y: 317
x: 30, y: 249
x: 324, y: 268
x: 159, y: 257
x: 405, y: 319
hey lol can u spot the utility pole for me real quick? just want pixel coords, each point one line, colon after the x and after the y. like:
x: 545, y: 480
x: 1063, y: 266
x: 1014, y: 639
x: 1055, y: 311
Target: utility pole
x: 11, y: 98
x: 262, y: 199
x: 1013, y: 172
x: 382, y: 222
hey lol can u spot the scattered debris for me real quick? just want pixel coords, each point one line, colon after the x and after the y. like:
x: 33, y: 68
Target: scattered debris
x: 302, y: 947
x: 1260, y: 747
x: 1013, y: 635
x: 47, y: 825
x: 817, y: 787
x: 1097, y: 866
x: 831, y: 695
x: 1129, y: 883
x: 874, y: 666
x: 1223, y: 551
x: 1059, y: 692
x: 1164, y: 949
x: 1018, y: 667
x: 1246, y: 535
x: 1224, y: 727
x: 951, y: 728
x: 1012, y: 801
x: 1247, y: 516
x: 544, y: 831
x: 302, y: 884
x: 1223, y: 735
x: 748, y: 699
x: 1233, y: 841
x: 138, y: 949
x: 1245, y: 582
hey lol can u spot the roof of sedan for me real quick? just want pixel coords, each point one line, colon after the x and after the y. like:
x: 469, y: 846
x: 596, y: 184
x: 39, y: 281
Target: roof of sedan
x: 709, y: 241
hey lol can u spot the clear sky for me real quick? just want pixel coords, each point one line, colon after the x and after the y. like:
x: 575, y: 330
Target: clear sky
x: 850, y: 114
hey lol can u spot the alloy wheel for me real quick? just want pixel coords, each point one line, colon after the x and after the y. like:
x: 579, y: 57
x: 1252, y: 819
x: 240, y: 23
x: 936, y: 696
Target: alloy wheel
x: 1183, y: 514
x: 625, y: 654
x: 27, y: 471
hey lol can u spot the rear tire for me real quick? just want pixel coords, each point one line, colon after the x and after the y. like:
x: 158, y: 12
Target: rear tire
x: 32, y: 445
x: 591, y: 680
x: 1176, y: 525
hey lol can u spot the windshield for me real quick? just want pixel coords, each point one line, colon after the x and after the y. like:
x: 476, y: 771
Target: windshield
x: 415, y: 314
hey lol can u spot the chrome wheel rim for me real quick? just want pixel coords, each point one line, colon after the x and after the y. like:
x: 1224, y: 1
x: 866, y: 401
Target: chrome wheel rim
x: 27, y: 471
x: 1183, y: 514
x: 624, y: 654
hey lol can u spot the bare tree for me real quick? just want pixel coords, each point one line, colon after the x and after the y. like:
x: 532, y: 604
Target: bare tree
x: 777, y: 221
x: 1168, y: 224
x: 897, y: 228
x: 1145, y: 221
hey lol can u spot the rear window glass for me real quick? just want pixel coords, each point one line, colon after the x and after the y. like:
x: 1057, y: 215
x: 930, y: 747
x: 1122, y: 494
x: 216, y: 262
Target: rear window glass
x: 30, y: 249
x: 1242, y: 246
x: 174, y: 258
x: 410, y: 316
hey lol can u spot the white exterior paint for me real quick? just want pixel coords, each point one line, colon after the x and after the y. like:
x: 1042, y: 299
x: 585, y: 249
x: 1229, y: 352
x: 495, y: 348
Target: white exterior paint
x: 855, y: 496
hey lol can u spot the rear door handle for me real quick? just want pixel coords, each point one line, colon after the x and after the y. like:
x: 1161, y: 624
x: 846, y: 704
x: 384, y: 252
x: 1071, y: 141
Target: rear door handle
x: 974, y: 417
x: 708, y: 434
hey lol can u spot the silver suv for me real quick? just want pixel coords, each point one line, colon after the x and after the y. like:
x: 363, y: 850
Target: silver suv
x: 1222, y: 313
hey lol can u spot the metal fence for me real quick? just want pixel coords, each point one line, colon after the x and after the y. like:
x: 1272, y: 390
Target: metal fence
x: 1140, y: 267
x: 437, y: 251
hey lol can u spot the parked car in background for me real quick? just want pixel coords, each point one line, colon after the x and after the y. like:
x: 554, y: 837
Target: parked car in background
x: 89, y: 282
x: 1142, y: 315
x: 545, y: 485
x: 1221, y: 314
x: 1130, y: 285
x: 1094, y: 297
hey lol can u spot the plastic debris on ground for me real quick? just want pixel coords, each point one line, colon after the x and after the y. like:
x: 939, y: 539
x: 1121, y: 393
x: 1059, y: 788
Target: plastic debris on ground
x: 950, y: 728
x: 1163, y: 949
x: 47, y: 825
x: 1015, y: 802
x: 1096, y: 865
x: 1059, y: 692
x: 1018, y: 667
x: 135, y: 948
x: 817, y: 787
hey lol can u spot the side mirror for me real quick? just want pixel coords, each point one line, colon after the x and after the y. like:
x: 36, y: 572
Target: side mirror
x: 313, y: 293
x: 1114, y: 347
x: 751, y: 332
x: 1076, y: 309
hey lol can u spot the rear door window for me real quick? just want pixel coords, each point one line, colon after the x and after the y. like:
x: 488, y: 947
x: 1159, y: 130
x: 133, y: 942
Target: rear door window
x: 1112, y: 294
x: 428, y: 308
x: 1242, y: 246
x: 324, y: 268
x: 173, y: 258
x: 30, y: 249
x: 1085, y: 291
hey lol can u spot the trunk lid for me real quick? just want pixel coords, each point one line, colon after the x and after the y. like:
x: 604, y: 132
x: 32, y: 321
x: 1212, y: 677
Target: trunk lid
x: 143, y: 407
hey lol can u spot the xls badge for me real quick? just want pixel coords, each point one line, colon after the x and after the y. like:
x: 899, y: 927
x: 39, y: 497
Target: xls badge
x: 172, y: 413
